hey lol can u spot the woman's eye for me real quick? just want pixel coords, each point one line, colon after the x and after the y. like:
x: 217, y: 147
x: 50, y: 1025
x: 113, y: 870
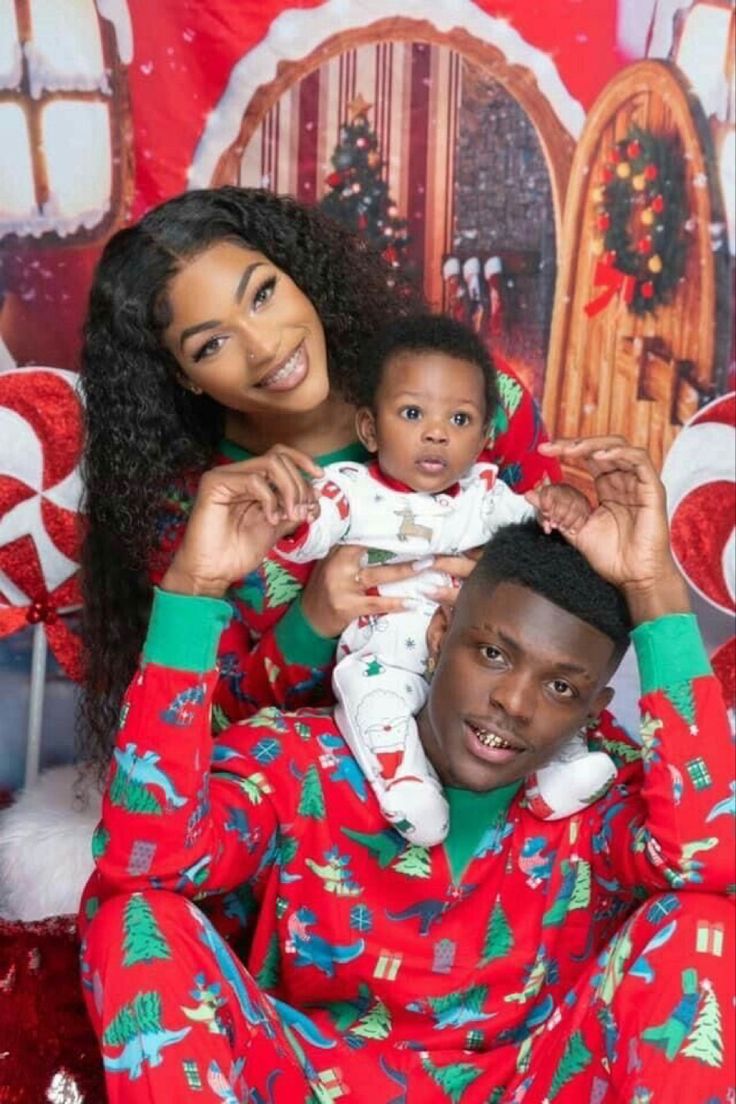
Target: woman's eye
x: 411, y: 413
x: 461, y: 418
x: 209, y: 348
x: 264, y: 292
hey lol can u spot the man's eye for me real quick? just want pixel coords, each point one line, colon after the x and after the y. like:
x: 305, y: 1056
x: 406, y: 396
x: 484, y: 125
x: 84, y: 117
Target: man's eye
x: 209, y: 349
x: 461, y: 418
x: 264, y: 292
x: 491, y: 653
x: 411, y: 413
x: 563, y: 689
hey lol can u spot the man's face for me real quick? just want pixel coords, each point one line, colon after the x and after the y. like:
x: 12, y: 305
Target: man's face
x: 515, y: 677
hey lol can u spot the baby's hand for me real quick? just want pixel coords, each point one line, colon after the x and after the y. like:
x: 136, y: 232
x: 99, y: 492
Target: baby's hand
x: 560, y: 506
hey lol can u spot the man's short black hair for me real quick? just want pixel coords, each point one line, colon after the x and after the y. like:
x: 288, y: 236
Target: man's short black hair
x: 545, y: 563
x: 423, y: 333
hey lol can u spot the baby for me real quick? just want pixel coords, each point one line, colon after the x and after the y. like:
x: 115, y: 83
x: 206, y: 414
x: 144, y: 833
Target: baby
x: 430, y: 392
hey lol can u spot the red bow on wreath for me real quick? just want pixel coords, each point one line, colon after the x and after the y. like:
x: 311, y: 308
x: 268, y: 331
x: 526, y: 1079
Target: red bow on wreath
x: 614, y: 280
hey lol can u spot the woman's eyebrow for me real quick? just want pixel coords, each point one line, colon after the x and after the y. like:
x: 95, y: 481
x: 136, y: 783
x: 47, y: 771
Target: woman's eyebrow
x: 243, y: 284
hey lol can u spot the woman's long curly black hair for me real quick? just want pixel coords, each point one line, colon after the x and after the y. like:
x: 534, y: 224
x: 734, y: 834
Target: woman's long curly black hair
x: 143, y: 429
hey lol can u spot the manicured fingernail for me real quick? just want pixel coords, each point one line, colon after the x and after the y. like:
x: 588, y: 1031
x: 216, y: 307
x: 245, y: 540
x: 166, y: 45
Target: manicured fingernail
x: 424, y: 564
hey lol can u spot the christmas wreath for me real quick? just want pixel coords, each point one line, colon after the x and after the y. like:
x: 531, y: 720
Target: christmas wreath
x: 640, y: 216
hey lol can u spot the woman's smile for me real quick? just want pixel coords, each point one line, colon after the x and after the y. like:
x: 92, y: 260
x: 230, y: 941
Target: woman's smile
x: 289, y: 373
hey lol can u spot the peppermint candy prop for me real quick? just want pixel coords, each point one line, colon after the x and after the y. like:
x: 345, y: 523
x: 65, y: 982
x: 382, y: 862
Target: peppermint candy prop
x: 700, y: 476
x: 40, y: 487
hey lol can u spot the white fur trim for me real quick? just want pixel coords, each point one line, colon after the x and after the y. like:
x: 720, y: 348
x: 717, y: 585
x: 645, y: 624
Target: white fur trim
x: 492, y: 267
x: 471, y: 267
x: 45, y: 848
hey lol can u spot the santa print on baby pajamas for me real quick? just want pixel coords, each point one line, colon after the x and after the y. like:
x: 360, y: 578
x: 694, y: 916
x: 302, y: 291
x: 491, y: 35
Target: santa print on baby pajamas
x: 586, y: 959
x: 380, y: 677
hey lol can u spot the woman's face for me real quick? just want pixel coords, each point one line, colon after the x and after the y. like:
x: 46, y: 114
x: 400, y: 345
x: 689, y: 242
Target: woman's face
x: 243, y: 332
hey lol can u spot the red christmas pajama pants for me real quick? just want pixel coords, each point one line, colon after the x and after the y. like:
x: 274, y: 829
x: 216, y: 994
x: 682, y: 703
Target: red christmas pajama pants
x: 180, y: 1019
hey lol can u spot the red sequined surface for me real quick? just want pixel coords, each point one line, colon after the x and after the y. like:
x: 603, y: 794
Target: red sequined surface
x: 48, y: 1053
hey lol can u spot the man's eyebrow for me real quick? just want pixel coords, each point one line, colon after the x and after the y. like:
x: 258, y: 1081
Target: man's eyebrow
x: 561, y: 665
x: 211, y: 323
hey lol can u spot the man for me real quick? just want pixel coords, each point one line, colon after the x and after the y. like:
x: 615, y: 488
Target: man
x: 586, y: 959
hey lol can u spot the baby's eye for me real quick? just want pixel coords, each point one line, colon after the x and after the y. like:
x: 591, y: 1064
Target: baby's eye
x: 264, y: 292
x: 209, y: 349
x: 461, y: 418
x: 411, y: 413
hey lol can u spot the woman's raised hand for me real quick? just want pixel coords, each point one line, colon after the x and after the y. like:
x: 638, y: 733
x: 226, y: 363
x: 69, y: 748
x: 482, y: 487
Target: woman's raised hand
x: 240, y: 511
x: 339, y: 589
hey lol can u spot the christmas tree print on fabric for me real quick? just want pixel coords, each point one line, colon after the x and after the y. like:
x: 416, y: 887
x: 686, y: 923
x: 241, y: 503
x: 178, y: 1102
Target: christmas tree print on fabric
x: 143, y: 940
x: 705, y: 1041
x: 453, y: 1079
x: 499, y: 937
x: 575, y: 1058
x: 137, y: 1028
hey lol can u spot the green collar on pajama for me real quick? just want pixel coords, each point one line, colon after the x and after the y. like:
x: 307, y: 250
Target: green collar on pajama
x: 354, y: 451
x: 470, y: 815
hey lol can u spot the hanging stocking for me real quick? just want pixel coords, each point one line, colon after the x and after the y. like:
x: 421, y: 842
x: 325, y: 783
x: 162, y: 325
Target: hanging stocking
x: 471, y: 272
x: 492, y: 273
x: 456, y: 296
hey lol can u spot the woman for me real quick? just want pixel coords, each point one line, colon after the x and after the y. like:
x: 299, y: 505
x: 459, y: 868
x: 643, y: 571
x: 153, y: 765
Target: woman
x: 226, y: 324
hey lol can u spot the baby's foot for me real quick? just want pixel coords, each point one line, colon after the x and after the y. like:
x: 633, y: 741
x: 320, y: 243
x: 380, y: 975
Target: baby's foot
x: 574, y: 779
x: 416, y: 807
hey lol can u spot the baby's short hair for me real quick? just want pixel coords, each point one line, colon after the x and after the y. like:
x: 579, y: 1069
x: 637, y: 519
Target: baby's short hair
x: 423, y: 333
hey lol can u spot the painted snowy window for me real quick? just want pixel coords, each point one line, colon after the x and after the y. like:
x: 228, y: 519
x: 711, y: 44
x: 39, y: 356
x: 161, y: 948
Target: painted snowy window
x: 61, y: 126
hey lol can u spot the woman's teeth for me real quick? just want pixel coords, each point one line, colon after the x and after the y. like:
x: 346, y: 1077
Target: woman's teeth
x: 285, y: 370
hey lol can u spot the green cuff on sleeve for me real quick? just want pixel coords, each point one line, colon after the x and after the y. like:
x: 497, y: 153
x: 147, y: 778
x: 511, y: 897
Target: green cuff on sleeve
x: 184, y: 632
x: 669, y: 650
x: 300, y: 643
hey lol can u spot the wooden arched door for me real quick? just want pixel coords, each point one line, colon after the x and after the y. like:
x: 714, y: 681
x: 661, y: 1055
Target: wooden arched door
x: 616, y: 371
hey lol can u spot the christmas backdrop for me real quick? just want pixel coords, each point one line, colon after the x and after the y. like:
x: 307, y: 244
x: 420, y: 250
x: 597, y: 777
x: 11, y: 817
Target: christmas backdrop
x: 557, y: 174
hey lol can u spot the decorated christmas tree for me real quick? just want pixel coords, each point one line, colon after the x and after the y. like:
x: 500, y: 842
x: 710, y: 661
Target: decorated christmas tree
x: 358, y: 196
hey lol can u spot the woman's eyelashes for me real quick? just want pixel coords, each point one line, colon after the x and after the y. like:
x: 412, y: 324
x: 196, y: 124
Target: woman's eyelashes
x: 210, y: 347
x: 264, y: 292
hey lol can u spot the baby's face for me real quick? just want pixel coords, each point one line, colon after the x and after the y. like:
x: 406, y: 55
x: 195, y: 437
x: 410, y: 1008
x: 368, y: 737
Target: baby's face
x: 430, y: 419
